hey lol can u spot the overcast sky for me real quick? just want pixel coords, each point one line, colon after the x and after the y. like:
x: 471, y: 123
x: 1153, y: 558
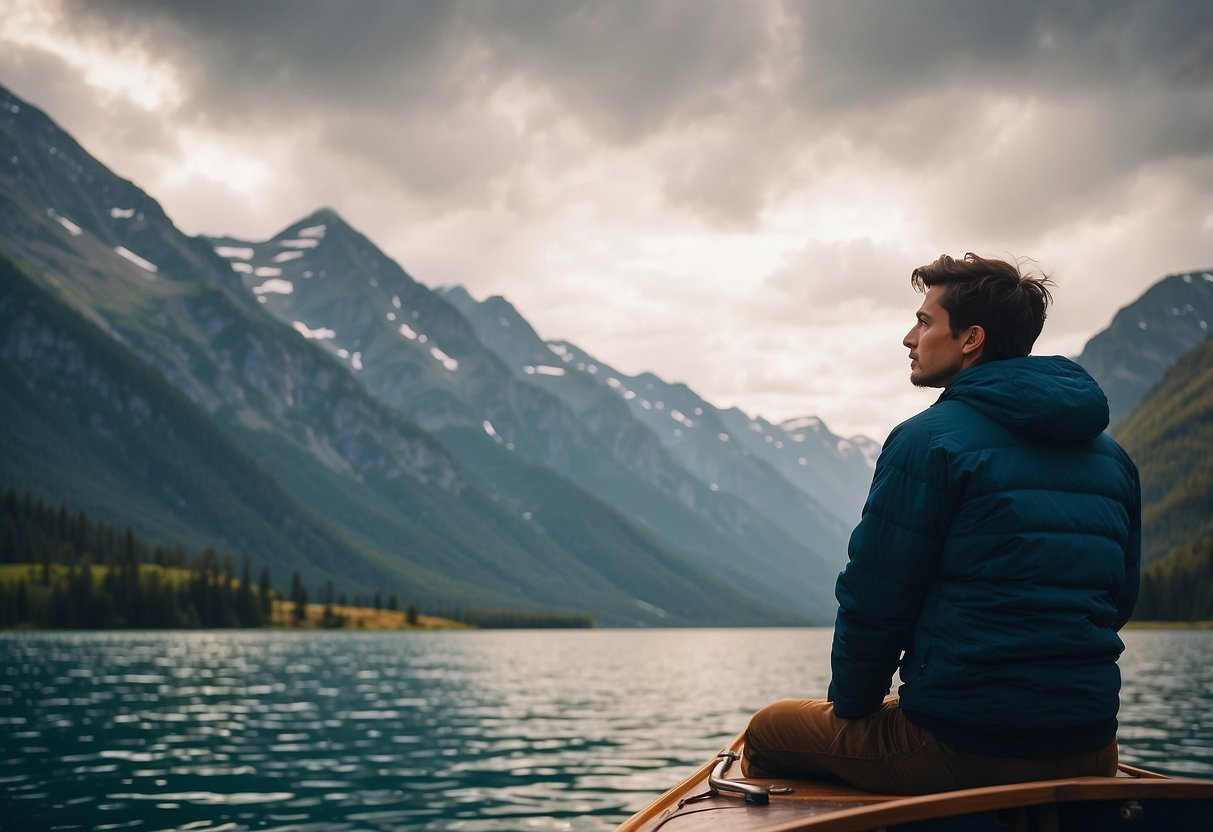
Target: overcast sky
x: 729, y: 194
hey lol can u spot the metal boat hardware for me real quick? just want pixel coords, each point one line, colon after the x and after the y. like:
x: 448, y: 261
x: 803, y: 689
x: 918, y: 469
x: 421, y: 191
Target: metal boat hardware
x: 754, y: 794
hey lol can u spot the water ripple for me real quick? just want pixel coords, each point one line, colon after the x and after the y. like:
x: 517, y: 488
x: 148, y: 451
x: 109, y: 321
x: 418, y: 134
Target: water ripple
x: 543, y: 731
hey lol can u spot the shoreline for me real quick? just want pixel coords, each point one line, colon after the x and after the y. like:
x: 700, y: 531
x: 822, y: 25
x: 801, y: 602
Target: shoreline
x: 1170, y: 625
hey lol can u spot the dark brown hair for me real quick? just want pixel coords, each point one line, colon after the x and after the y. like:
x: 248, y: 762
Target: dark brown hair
x: 993, y: 294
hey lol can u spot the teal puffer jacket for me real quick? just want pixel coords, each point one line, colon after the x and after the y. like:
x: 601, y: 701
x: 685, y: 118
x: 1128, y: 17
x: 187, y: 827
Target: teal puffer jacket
x: 997, y: 556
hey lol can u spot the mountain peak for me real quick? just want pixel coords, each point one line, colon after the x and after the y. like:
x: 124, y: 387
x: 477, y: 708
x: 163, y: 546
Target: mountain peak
x: 813, y: 423
x: 325, y: 214
x: 317, y: 224
x: 1147, y: 336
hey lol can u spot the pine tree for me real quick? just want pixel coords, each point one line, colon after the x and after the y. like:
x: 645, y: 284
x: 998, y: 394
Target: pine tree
x: 298, y: 598
x: 248, y: 613
x: 265, y: 596
x: 328, y: 618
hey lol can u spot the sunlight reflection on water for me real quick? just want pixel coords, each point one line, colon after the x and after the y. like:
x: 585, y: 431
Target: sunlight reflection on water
x: 441, y: 731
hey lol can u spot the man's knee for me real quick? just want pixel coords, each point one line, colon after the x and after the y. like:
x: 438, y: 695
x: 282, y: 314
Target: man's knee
x: 787, y: 729
x: 773, y: 723
x: 762, y: 736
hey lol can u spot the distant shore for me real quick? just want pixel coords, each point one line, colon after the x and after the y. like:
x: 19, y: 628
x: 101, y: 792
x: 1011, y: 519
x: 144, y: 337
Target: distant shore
x: 356, y: 618
x: 1169, y: 625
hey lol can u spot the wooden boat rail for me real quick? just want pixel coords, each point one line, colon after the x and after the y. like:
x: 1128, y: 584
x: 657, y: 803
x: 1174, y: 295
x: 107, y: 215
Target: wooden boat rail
x: 708, y: 800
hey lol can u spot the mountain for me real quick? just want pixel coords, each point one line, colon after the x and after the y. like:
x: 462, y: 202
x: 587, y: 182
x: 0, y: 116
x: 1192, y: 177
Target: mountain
x: 834, y: 471
x: 700, y: 437
x: 400, y: 511
x: 73, y: 399
x: 801, y: 477
x: 1149, y: 335
x: 304, y: 399
x: 415, y: 350
x: 1170, y: 436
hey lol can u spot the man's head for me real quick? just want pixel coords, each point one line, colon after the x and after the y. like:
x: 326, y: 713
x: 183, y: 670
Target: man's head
x: 975, y: 310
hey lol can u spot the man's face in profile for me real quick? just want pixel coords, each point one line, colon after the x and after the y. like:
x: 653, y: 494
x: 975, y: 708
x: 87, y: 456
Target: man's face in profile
x: 935, y: 355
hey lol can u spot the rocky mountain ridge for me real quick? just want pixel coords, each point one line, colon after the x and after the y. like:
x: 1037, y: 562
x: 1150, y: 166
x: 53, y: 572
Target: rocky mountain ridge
x: 406, y: 511
x: 306, y: 398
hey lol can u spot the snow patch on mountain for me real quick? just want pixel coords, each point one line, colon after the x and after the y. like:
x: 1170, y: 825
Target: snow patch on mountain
x: 679, y: 416
x: 355, y: 359
x: 616, y: 384
x: 543, y: 370
x: 74, y: 229
x: 320, y: 333
x: 444, y: 359
x: 275, y: 286
x: 812, y: 423
x: 146, y: 265
x: 311, y: 242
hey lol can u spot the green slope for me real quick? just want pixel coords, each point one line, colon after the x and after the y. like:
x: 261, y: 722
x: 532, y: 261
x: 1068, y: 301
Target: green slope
x: 1170, y: 437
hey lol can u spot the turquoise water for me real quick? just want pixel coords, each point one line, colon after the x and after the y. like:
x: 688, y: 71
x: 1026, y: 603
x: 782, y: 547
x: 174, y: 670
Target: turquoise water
x: 552, y: 730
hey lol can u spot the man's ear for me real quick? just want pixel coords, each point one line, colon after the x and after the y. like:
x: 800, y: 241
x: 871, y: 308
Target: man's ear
x: 974, y: 341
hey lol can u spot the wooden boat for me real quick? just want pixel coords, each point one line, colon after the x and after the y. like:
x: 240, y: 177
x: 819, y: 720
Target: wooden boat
x: 713, y: 799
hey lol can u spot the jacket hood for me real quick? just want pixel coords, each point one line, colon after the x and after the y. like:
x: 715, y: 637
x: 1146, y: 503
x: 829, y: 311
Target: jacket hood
x: 1041, y: 397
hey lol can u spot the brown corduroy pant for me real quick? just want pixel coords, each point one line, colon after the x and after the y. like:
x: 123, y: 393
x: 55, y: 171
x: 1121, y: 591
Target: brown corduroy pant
x: 885, y: 752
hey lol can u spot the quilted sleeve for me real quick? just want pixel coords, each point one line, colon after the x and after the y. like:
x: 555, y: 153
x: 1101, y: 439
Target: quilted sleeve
x: 893, y: 556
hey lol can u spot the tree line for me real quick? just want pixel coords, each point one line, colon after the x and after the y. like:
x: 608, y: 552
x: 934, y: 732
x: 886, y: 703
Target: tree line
x: 518, y: 619
x: 61, y: 569
x: 1180, y: 586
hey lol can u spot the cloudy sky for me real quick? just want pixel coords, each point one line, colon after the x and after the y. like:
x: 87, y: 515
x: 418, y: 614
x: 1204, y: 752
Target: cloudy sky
x: 729, y: 194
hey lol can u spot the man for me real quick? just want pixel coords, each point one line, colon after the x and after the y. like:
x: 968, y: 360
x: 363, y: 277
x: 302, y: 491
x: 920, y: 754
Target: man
x: 997, y: 557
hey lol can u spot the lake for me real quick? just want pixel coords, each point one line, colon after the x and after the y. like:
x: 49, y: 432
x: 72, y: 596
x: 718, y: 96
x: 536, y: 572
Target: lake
x: 518, y: 730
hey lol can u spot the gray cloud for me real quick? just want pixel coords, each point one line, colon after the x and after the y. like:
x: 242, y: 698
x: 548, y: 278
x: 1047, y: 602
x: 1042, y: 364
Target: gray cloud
x: 813, y: 282
x: 241, y: 59
x: 860, y: 53
x: 800, y: 157
x: 1113, y: 87
x: 415, y: 90
x: 628, y: 68
x: 406, y: 85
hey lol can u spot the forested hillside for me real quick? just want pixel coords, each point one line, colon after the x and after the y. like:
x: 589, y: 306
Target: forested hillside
x: 59, y: 568
x: 1180, y: 586
x: 1170, y: 436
